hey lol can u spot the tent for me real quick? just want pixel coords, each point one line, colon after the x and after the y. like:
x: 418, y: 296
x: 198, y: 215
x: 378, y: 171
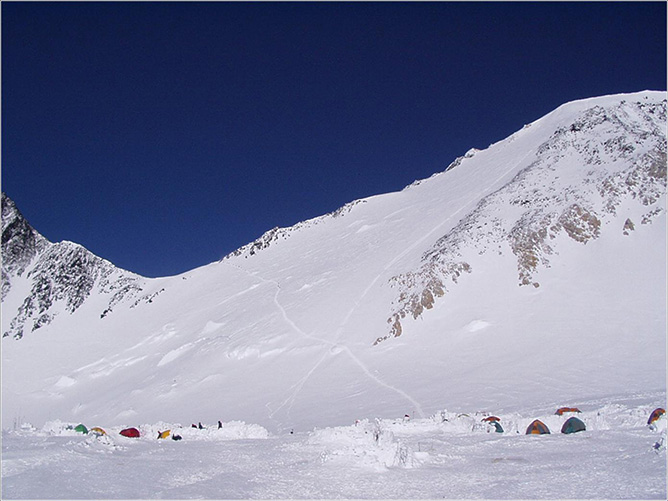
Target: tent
x: 491, y: 418
x: 164, y: 434
x: 130, y: 432
x: 81, y: 429
x: 538, y: 428
x: 562, y: 410
x: 98, y: 430
x: 497, y: 425
x: 573, y: 425
x: 656, y: 414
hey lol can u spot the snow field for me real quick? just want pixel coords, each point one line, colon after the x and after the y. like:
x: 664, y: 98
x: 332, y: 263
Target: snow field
x: 447, y: 455
x: 284, y: 338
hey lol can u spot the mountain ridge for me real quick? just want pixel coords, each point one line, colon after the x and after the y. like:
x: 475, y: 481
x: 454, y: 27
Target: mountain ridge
x: 300, y: 327
x: 57, y: 272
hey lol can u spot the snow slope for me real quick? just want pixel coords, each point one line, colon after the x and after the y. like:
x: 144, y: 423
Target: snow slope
x: 526, y: 275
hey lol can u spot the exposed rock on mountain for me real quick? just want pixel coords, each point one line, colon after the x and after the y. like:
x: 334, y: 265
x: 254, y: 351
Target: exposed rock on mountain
x: 532, y: 270
x: 575, y: 183
x: 61, y: 276
x: 20, y: 243
x: 276, y: 234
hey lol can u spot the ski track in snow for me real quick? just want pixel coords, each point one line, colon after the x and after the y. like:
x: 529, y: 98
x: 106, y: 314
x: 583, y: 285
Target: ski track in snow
x: 338, y: 344
x: 399, y: 256
x: 300, y: 384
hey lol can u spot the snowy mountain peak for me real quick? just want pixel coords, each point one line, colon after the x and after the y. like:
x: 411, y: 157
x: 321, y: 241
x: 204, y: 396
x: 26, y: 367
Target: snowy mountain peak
x: 573, y: 183
x: 481, y: 287
x: 51, y: 278
x: 20, y: 243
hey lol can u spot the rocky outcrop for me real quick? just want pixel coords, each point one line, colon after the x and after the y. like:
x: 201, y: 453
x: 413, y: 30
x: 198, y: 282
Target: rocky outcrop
x: 61, y: 275
x: 618, y: 154
x: 20, y: 243
x: 274, y: 235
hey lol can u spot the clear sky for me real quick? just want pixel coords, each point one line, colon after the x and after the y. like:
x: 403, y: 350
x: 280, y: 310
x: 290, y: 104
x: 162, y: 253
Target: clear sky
x: 162, y: 136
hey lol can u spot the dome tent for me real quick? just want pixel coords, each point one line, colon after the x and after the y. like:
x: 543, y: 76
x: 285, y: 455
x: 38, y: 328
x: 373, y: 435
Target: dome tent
x: 656, y: 414
x: 562, y: 410
x: 81, y: 429
x: 573, y: 425
x: 537, y: 427
x: 497, y: 426
x: 130, y: 432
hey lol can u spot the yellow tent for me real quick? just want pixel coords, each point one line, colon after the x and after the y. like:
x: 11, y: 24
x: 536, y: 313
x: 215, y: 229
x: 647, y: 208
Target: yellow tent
x: 164, y: 434
x: 98, y: 430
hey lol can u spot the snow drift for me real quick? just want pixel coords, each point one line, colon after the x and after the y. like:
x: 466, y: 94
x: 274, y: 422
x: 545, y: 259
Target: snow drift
x: 446, y: 455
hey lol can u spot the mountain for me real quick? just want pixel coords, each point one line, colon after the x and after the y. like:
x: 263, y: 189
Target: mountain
x: 528, y: 273
x: 52, y: 278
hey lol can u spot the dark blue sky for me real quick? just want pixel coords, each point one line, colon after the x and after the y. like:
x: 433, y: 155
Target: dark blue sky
x: 162, y: 136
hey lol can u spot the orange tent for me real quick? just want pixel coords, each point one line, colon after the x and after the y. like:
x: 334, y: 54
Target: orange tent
x: 656, y: 414
x: 490, y: 419
x: 562, y: 410
x: 538, y: 428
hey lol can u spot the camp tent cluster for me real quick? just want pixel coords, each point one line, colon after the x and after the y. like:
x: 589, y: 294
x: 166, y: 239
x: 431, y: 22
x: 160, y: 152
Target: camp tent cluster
x: 495, y: 422
x: 126, y: 432
x: 572, y: 424
x: 132, y: 432
x: 96, y: 430
x: 537, y: 427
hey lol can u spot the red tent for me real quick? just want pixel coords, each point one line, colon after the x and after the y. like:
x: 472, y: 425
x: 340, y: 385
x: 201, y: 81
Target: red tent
x: 130, y: 432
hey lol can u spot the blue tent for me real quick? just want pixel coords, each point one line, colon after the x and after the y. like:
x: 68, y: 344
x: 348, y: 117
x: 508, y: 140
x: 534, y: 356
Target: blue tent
x: 573, y: 425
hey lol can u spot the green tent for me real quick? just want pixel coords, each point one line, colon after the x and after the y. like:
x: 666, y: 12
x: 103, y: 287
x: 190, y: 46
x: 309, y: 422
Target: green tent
x: 573, y: 425
x: 81, y: 429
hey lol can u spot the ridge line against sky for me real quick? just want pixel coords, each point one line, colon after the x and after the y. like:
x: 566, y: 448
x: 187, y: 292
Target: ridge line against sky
x: 162, y: 136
